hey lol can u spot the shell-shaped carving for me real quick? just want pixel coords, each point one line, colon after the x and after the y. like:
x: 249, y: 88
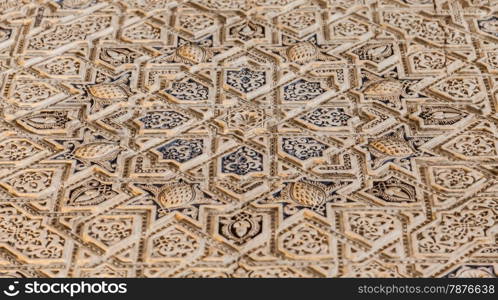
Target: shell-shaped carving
x: 99, y: 150
x: 379, y: 51
x: 192, y: 53
x: 4, y: 34
x: 307, y: 194
x: 76, y: 3
x: 392, y: 146
x: 443, y: 115
x: 398, y: 194
x: 302, y: 52
x: 48, y: 120
x: 176, y: 195
x: 108, y: 91
x: 386, y: 87
x: 474, y: 273
x: 86, y: 196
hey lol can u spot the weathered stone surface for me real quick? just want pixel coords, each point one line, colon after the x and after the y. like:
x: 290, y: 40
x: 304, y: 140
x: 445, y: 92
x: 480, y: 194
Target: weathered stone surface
x: 269, y: 138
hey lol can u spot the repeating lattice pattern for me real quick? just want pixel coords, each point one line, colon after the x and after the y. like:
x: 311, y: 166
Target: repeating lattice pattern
x: 249, y: 138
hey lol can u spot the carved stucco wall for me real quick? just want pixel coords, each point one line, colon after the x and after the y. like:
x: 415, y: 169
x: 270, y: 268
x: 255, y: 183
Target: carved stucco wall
x: 249, y: 138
